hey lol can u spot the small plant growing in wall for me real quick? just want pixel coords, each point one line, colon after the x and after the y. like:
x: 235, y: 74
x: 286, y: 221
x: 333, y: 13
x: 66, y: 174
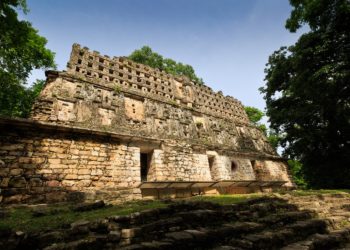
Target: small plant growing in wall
x: 206, y: 140
x: 117, y: 89
x: 174, y: 103
x: 105, y: 128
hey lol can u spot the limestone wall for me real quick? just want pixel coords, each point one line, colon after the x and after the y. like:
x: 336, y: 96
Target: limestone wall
x: 43, y: 167
x: 271, y: 170
x: 44, y: 163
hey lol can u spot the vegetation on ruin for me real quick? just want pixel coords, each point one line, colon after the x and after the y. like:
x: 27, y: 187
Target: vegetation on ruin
x: 22, y: 49
x: 255, y: 116
x: 307, y: 92
x: 147, y: 56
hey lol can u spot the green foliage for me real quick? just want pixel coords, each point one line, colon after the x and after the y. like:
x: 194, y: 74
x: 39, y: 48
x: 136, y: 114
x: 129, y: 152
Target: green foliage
x: 117, y: 88
x: 254, y: 114
x: 296, y: 169
x: 146, y: 56
x: 21, y: 50
x: 17, y: 100
x: 307, y: 92
x: 274, y: 138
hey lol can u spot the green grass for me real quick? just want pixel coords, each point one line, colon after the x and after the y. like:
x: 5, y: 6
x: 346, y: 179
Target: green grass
x: 225, y: 199
x: 23, y: 220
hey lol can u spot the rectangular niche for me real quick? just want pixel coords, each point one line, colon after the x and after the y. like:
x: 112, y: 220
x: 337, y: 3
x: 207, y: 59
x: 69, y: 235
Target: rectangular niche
x: 134, y: 109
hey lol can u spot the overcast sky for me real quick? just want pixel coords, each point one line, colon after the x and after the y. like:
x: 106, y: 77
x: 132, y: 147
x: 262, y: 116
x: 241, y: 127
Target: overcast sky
x: 226, y: 41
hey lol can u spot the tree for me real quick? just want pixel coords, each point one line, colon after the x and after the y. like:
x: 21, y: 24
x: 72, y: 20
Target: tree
x: 255, y: 116
x: 307, y: 92
x: 21, y: 51
x: 146, y: 56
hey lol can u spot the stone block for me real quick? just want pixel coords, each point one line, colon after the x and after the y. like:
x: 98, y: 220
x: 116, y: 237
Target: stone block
x: 12, y: 147
x: 68, y: 183
x: 96, y: 172
x: 45, y: 171
x: 4, y: 182
x: 127, y: 233
x: 54, y: 161
x: 17, y: 182
x: 62, y: 156
x: 25, y: 160
x: 55, y: 197
x: 74, y: 151
x: 84, y: 177
x: 16, y: 171
x: 84, y: 171
x: 84, y: 183
x: 71, y: 177
x: 114, y: 236
x: 15, y: 199
x: 57, y: 150
x: 53, y: 183
x: 4, y: 172
x: 35, y: 182
x: 37, y: 160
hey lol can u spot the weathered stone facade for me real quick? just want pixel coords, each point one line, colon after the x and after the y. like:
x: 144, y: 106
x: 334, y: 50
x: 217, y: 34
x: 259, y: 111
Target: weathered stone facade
x: 108, y: 124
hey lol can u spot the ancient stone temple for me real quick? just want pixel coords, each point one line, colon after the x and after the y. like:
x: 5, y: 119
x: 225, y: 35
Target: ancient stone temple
x: 110, y: 128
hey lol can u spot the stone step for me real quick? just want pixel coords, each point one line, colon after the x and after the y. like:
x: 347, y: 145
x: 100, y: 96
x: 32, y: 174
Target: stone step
x: 333, y: 240
x: 345, y: 247
x: 274, y: 239
x: 209, y: 218
x: 246, y: 218
x: 337, y: 222
x: 283, y: 218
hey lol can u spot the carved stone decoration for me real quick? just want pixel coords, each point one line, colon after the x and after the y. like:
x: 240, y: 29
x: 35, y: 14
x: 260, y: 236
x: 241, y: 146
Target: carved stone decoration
x: 106, y: 116
x: 83, y: 111
x: 65, y: 111
x: 134, y: 109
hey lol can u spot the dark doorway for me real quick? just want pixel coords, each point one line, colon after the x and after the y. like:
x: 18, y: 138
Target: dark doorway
x: 211, y: 164
x: 253, y: 163
x: 145, y: 160
x: 233, y: 166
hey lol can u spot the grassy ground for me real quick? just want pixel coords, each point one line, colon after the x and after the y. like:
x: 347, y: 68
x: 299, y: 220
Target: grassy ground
x: 60, y: 215
x: 227, y: 198
x: 21, y: 218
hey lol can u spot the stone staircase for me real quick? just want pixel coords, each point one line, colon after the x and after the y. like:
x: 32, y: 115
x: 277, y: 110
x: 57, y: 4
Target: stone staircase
x: 334, y: 208
x: 262, y: 223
